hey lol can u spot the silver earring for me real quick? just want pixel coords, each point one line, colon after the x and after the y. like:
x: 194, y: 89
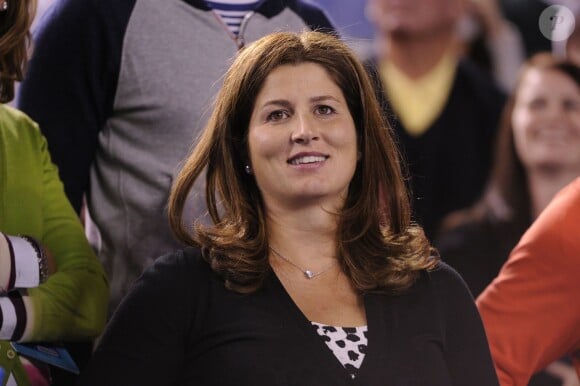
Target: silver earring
x: 248, y: 169
x: 3, y: 5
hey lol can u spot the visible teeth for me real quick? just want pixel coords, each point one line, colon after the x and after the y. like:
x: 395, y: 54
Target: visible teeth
x: 309, y: 159
x: 552, y: 134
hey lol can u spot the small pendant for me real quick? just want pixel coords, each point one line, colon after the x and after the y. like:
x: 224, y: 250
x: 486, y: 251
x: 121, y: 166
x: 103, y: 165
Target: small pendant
x: 309, y: 274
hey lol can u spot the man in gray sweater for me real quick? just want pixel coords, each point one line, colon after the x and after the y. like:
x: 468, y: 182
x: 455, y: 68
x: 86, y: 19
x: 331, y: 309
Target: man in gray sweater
x: 121, y: 89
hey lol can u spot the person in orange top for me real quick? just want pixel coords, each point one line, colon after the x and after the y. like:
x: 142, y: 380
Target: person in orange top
x: 530, y: 311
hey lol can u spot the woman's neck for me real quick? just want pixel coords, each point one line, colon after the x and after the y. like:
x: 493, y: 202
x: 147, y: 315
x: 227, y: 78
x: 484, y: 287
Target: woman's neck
x: 307, y: 237
x: 544, y: 185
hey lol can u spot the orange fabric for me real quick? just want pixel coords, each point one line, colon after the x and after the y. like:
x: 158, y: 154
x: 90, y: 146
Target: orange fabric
x: 531, y: 311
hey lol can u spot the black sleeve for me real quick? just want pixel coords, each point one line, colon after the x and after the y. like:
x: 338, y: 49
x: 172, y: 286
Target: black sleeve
x: 71, y: 80
x: 466, y: 349
x: 314, y: 16
x: 145, y: 342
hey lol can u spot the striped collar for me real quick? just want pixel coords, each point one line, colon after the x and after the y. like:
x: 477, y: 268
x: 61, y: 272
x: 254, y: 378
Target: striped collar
x: 268, y: 8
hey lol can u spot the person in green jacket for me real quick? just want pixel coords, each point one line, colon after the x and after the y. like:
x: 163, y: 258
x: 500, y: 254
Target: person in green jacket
x: 52, y: 286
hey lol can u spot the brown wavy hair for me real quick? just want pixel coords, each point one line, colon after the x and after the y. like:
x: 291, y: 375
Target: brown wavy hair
x: 506, y: 196
x: 14, y: 42
x: 378, y: 247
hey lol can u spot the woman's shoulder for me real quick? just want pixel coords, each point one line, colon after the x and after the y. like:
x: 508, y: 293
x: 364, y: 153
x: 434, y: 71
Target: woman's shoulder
x: 182, y: 271
x: 18, y: 128
x: 437, y: 294
x: 484, y: 238
x: 444, y: 272
x: 14, y: 119
x: 188, y: 259
x: 444, y: 280
x: 465, y: 226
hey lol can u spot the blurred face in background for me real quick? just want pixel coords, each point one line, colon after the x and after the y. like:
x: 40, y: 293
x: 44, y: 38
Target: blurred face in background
x: 546, y: 121
x: 413, y: 18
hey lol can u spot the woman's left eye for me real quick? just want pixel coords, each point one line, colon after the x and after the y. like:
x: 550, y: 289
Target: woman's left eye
x: 571, y: 105
x: 324, y: 110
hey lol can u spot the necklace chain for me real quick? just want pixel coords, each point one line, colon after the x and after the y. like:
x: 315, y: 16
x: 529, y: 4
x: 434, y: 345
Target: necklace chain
x: 306, y: 272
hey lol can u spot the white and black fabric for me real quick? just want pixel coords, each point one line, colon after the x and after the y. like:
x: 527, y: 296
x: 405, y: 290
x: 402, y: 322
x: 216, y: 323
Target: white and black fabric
x: 348, y: 344
x: 233, y: 12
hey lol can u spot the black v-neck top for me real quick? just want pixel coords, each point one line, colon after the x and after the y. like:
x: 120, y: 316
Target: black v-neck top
x: 179, y: 325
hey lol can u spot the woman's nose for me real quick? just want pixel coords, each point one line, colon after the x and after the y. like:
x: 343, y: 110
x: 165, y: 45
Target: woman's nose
x: 304, y: 130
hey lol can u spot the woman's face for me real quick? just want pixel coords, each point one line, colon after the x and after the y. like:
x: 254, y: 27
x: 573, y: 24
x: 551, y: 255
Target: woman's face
x: 546, y: 121
x: 302, y: 138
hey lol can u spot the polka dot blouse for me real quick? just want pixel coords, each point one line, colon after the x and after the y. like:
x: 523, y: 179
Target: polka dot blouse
x: 348, y: 344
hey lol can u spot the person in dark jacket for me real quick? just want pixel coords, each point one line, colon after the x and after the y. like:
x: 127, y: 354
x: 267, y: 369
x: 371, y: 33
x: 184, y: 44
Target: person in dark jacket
x: 444, y: 110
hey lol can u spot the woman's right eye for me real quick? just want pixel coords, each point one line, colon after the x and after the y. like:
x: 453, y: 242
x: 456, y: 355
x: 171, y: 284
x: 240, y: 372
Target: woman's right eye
x: 277, y: 115
x: 537, y: 103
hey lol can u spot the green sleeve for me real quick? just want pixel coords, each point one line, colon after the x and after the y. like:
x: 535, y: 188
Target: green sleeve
x: 72, y: 303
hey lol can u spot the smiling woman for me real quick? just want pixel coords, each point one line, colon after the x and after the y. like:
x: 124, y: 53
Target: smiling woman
x: 311, y: 272
x: 537, y: 154
x: 302, y: 139
x: 546, y: 125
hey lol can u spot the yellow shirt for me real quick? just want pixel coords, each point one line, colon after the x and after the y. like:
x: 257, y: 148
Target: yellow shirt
x: 419, y: 102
